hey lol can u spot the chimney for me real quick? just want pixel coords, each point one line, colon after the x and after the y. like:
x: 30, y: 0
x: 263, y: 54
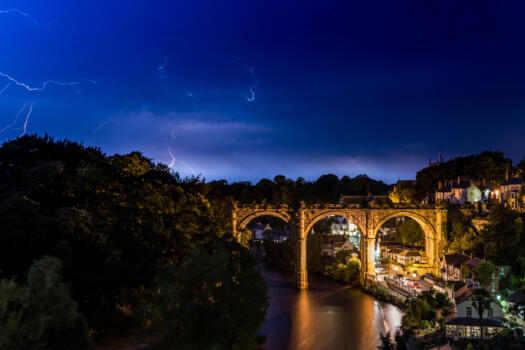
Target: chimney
x: 459, y: 179
x: 440, y: 185
x: 507, y: 175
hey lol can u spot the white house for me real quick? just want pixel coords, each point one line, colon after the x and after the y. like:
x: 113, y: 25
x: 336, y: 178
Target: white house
x: 510, y: 192
x: 466, y: 323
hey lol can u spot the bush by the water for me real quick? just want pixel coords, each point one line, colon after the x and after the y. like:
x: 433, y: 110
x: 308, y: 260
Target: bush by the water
x: 348, y: 273
x: 382, y: 294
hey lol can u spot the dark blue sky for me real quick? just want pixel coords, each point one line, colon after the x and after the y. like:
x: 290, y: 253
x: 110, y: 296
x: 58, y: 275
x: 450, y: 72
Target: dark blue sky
x: 251, y: 89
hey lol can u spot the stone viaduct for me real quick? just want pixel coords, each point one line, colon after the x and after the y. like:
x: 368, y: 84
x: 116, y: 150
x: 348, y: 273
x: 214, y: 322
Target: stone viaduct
x: 369, y: 219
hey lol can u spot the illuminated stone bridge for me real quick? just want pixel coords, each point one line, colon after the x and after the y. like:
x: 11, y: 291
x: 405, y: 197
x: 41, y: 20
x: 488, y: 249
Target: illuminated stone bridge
x: 368, y: 218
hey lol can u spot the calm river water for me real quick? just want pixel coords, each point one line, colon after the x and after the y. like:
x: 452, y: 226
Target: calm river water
x: 327, y: 316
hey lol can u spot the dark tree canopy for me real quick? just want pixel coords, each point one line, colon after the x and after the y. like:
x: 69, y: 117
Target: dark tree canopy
x: 114, y: 222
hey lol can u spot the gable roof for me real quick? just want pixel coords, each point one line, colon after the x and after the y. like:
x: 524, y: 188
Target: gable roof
x: 462, y: 185
x: 445, y: 189
x: 456, y: 260
x: 516, y: 297
x: 513, y: 181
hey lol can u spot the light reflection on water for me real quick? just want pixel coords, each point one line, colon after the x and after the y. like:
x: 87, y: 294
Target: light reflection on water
x: 327, y: 316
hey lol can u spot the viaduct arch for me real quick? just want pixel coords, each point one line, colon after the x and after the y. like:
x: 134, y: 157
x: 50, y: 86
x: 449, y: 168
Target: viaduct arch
x: 368, y: 218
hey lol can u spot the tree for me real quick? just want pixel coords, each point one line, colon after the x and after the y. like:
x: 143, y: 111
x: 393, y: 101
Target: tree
x: 113, y: 221
x: 404, y: 192
x: 41, y: 314
x: 409, y: 233
x: 481, y: 301
x: 343, y: 256
x: 484, y: 272
x: 462, y: 238
x: 504, y: 235
x: 216, y: 300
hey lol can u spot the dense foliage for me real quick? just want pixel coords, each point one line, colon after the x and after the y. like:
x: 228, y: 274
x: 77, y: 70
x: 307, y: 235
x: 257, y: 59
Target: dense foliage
x: 115, y: 222
x: 421, y: 311
x: 409, y: 233
x: 40, y: 313
x: 214, y: 301
x: 327, y: 189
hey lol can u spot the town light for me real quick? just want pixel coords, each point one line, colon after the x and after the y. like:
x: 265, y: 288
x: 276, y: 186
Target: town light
x: 498, y: 296
x: 395, y: 268
x: 414, y: 275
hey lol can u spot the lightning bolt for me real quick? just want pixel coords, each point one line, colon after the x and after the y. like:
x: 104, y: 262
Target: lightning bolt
x: 45, y: 83
x: 161, y: 73
x: 14, y: 121
x: 172, y: 163
x: 5, y: 88
x: 251, y: 89
x: 27, y: 120
x: 24, y: 14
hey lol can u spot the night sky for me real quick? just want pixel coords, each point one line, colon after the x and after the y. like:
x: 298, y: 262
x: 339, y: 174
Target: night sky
x: 249, y: 89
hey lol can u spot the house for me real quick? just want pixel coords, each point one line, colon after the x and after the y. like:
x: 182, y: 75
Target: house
x: 451, y: 266
x: 332, y: 244
x: 464, y: 192
x: 258, y: 231
x: 444, y: 193
x: 458, y: 192
x: 404, y: 255
x: 466, y: 321
x: 510, y: 192
x: 386, y: 247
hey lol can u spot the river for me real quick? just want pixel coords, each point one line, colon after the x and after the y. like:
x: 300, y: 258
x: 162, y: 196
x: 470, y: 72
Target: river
x: 328, y: 315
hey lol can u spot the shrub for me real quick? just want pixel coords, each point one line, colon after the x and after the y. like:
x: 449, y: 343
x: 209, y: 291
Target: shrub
x: 40, y: 315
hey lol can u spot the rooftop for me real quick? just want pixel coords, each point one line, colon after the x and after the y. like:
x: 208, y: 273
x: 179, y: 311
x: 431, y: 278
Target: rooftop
x: 469, y: 321
x: 513, y: 181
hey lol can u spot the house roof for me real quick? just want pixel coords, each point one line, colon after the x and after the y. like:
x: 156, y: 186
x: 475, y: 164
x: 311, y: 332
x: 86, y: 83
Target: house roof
x: 445, y: 189
x: 412, y: 253
x: 354, y: 199
x: 516, y: 297
x: 382, y: 200
x: 469, y: 321
x: 513, y: 181
x: 462, y: 185
x: 456, y: 259
x: 473, y: 262
x: 466, y: 292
